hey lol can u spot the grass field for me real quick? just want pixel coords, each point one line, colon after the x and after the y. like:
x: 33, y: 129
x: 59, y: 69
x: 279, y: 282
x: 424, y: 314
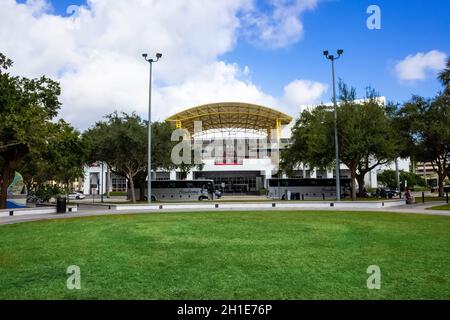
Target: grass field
x: 228, y: 255
x: 259, y: 200
x: 443, y: 207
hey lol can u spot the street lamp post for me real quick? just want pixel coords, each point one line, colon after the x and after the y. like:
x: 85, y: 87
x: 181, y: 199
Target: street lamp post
x: 336, y: 142
x: 102, y: 186
x: 149, y: 151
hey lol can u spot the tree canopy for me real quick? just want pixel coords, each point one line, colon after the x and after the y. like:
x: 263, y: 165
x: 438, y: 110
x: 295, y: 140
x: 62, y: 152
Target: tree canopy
x: 61, y: 158
x: 121, y: 142
x: 27, y: 107
x: 444, y: 77
x: 366, y: 136
x: 388, y: 178
x: 426, y: 123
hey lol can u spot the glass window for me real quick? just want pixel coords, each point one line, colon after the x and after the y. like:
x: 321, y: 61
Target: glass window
x: 119, y: 183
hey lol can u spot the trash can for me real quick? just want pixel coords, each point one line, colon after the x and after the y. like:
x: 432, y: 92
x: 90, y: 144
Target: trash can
x: 61, y: 206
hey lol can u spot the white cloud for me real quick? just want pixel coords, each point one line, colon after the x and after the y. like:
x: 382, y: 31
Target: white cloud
x: 213, y: 83
x: 279, y: 28
x: 96, y: 55
x: 301, y: 93
x: 304, y: 92
x: 219, y: 82
x: 416, y: 67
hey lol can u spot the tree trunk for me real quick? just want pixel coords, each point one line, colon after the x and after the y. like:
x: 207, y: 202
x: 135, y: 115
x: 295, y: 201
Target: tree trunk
x: 133, y: 193
x: 67, y: 191
x: 108, y: 179
x: 360, y: 179
x: 353, y: 175
x: 141, y: 184
x: 142, y: 191
x: 6, y: 180
x: 441, y: 178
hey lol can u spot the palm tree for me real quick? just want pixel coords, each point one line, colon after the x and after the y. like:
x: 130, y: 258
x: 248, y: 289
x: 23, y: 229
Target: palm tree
x: 444, y: 77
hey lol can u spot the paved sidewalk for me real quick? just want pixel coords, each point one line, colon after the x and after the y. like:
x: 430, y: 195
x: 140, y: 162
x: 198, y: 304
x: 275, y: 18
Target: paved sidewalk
x: 88, y: 212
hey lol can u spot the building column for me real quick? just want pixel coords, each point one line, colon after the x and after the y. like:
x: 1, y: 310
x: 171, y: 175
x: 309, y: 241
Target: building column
x: 173, y: 175
x: 105, y: 176
x: 267, y: 175
x: 278, y: 127
x: 86, y: 181
x: 330, y: 174
x: 371, y: 179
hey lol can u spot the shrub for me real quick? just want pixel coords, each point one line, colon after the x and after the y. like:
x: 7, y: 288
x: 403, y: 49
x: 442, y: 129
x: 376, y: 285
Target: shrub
x: 118, y: 193
x: 387, y: 178
x: 47, y: 192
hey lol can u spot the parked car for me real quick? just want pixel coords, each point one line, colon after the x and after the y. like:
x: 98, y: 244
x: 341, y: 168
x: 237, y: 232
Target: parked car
x: 217, y: 193
x: 33, y: 198
x: 76, y: 196
x: 386, y: 193
x: 391, y: 193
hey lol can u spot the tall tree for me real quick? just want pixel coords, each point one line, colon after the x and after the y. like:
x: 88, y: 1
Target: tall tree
x: 121, y: 142
x: 427, y: 123
x: 67, y: 153
x: 444, y: 78
x: 388, y: 178
x: 61, y: 158
x: 161, y: 151
x: 26, y: 108
x: 365, y: 132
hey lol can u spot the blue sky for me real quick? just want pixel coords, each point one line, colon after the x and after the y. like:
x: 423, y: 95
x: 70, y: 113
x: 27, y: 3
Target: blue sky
x: 408, y: 27
x: 99, y: 55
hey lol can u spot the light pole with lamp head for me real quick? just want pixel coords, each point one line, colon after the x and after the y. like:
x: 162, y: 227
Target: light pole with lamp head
x: 336, y: 142
x: 149, y: 151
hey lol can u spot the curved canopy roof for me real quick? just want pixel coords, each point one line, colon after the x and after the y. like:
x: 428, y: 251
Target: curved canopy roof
x: 231, y: 115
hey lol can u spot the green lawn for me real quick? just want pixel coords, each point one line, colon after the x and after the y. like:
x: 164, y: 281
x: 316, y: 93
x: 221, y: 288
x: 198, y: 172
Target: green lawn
x: 263, y: 200
x: 228, y: 255
x: 443, y: 207
x: 430, y: 199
